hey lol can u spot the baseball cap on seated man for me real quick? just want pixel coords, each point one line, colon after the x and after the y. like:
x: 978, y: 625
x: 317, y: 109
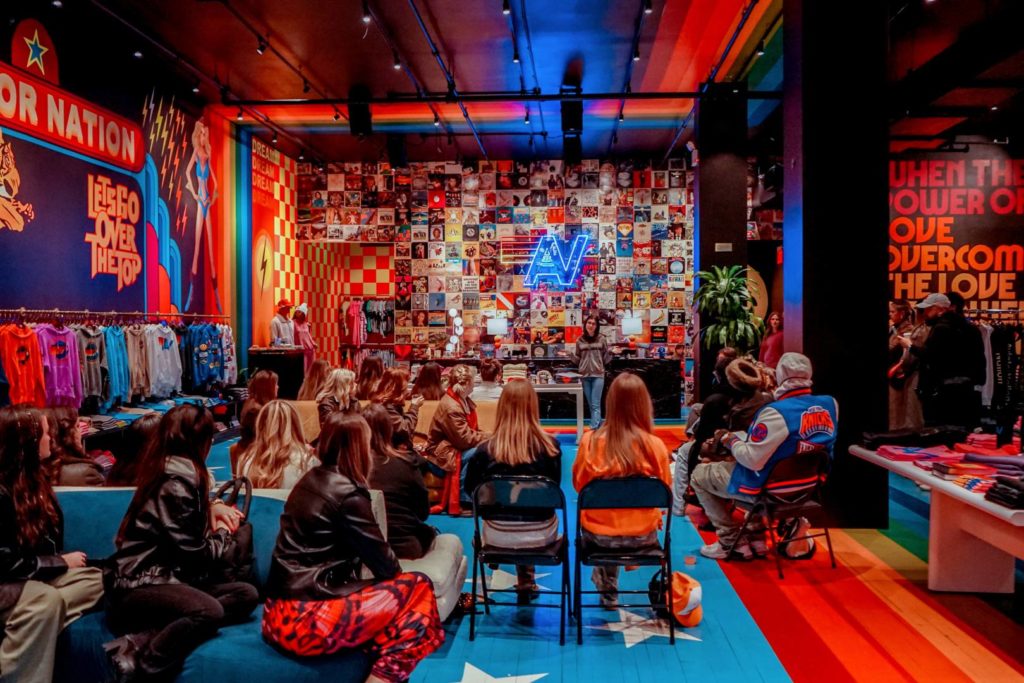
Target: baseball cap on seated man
x: 284, y: 303
x: 934, y: 300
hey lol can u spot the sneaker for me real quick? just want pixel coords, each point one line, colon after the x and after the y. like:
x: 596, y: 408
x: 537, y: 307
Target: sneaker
x: 715, y: 551
x: 759, y: 547
x: 610, y: 601
x: 525, y: 597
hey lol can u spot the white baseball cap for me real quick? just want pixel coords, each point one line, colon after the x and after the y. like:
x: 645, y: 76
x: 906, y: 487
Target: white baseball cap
x: 934, y: 300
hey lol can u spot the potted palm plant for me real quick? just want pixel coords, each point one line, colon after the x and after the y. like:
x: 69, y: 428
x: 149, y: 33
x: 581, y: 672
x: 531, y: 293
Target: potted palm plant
x: 725, y: 299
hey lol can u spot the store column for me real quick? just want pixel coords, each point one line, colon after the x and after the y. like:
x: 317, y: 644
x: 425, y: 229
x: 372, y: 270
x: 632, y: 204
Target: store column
x: 834, y: 233
x: 720, y: 188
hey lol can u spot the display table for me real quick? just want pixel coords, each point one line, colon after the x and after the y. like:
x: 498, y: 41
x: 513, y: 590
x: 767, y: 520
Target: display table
x: 662, y: 377
x: 571, y: 389
x: 287, y: 361
x: 972, y: 542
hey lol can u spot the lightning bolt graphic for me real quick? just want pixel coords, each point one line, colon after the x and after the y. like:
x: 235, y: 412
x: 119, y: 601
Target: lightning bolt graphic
x: 263, y: 268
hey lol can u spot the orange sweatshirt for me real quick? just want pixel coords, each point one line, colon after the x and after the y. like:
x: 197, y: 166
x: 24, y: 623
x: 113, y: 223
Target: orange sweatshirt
x: 23, y: 365
x: 591, y: 464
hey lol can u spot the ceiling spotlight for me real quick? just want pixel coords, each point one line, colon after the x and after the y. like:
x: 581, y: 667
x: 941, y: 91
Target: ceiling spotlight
x: 57, y: 3
x: 636, y: 54
x: 195, y: 88
x: 506, y: 8
x: 995, y: 107
x: 527, y: 119
x: 306, y: 87
x: 437, y: 121
x: 366, y: 12
x: 273, y: 138
x: 302, y: 155
x: 515, y: 55
x: 239, y: 116
x: 648, y: 6
x: 622, y: 115
x: 337, y: 116
x: 760, y: 49
x: 261, y: 46
x: 398, y: 62
x: 137, y: 54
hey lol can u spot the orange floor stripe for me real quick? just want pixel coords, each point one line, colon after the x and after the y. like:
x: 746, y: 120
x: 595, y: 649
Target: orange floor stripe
x: 975, y: 658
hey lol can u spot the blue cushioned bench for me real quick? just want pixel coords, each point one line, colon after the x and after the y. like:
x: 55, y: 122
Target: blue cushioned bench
x: 238, y: 654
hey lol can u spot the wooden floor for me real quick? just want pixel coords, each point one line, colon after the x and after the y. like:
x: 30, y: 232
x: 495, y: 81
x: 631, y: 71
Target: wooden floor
x: 871, y: 619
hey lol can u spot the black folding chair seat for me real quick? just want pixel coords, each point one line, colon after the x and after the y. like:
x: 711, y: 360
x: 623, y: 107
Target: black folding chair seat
x: 508, y: 498
x: 620, y: 494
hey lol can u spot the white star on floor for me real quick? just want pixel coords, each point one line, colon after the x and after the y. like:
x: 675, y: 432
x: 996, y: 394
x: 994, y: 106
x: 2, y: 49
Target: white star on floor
x: 471, y: 674
x: 636, y: 629
x: 500, y: 579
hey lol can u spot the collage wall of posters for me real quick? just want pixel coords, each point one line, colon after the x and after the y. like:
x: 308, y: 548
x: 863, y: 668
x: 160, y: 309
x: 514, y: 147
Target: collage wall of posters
x: 461, y: 238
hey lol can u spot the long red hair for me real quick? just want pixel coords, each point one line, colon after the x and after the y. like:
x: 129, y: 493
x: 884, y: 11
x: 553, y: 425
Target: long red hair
x: 629, y: 422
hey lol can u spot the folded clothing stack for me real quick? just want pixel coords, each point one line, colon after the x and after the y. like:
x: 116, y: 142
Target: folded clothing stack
x: 950, y: 471
x: 514, y: 371
x: 911, y: 453
x: 989, y: 441
x: 1008, y: 492
x: 1009, y: 465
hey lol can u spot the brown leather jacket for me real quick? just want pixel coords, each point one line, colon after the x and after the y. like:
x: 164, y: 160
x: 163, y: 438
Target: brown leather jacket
x: 450, y: 434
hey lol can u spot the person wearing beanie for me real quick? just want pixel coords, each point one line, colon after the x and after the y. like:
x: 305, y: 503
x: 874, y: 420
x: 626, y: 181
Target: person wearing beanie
x: 794, y: 421
x: 951, y: 365
x: 733, y: 408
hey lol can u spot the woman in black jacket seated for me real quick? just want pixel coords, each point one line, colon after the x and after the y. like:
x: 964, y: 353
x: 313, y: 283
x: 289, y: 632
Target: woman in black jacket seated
x: 398, y: 474
x: 519, y: 446
x: 317, y: 603
x: 169, y: 542
x: 42, y: 588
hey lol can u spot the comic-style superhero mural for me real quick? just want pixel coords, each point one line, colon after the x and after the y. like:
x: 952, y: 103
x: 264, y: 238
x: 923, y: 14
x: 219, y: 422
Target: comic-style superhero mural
x: 99, y: 210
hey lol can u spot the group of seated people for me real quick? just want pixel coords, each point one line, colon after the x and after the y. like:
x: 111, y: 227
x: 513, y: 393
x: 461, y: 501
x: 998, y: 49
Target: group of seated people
x: 335, y: 583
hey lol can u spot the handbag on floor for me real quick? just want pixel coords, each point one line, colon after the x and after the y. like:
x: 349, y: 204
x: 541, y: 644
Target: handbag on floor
x: 686, y: 597
x: 237, y: 562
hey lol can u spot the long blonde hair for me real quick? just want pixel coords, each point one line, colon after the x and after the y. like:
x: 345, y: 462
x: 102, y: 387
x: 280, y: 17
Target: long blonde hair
x: 339, y: 385
x: 314, y: 381
x: 278, y: 440
x: 518, y: 438
x: 629, y: 424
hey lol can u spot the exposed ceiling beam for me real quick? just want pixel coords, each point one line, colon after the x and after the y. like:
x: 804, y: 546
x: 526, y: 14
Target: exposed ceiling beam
x: 471, y: 97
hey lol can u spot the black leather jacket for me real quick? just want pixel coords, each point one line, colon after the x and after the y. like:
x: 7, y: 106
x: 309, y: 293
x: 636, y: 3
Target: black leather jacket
x: 168, y: 541
x: 327, y: 533
x: 19, y: 564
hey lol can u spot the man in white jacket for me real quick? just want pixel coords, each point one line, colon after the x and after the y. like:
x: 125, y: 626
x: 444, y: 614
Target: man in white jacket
x: 795, y: 422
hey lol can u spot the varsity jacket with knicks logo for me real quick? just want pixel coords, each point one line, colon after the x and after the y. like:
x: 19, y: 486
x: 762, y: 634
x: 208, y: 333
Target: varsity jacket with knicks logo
x: 795, y: 423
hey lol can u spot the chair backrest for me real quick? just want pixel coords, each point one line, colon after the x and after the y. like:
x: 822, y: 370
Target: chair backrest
x: 510, y: 497
x: 625, y: 492
x: 309, y: 418
x: 426, y: 416
x: 798, y: 476
x: 487, y: 415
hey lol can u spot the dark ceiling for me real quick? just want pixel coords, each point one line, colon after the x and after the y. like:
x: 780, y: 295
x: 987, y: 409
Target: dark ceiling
x: 956, y: 69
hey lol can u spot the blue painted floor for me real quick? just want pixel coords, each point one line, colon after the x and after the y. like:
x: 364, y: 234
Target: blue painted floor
x: 520, y: 645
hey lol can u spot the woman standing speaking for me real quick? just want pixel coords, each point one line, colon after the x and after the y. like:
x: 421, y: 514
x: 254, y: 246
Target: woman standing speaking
x: 591, y: 355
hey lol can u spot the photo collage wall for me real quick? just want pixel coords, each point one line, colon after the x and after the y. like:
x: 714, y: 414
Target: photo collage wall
x: 462, y: 236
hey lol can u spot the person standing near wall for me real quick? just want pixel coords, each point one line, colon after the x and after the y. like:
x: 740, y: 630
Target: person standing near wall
x: 591, y: 355
x: 303, y: 337
x: 282, y: 329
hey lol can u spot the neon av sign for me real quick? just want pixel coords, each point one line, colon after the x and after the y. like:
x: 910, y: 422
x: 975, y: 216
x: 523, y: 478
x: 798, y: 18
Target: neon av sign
x: 556, y: 260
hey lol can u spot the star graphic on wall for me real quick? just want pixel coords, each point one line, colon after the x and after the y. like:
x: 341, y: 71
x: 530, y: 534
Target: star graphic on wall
x: 471, y: 674
x: 36, y: 50
x: 500, y: 580
x: 635, y: 629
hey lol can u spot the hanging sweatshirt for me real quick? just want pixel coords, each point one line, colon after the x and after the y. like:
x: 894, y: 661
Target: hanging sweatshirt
x: 164, y: 360
x: 61, y: 369
x: 23, y: 365
x: 207, y: 354
x: 138, y: 361
x: 117, y: 366
x: 92, y: 354
x: 230, y: 359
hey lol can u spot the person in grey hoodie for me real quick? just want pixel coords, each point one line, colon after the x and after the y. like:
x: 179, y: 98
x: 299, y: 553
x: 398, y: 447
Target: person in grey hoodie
x: 591, y: 355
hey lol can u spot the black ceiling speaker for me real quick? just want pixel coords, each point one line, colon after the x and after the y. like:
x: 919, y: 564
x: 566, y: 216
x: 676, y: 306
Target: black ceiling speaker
x: 360, y: 123
x: 572, y: 149
x: 397, y: 155
x: 572, y: 116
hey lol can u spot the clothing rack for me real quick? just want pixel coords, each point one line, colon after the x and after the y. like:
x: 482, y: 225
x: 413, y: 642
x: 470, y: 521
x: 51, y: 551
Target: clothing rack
x: 974, y: 312
x: 41, y: 312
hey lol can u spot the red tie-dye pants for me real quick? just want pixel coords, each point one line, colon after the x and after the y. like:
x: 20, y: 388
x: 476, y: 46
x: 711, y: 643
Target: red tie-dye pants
x: 396, y: 621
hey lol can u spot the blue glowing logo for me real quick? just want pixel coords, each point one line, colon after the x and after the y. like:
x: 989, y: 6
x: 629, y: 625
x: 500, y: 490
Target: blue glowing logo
x: 556, y: 260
